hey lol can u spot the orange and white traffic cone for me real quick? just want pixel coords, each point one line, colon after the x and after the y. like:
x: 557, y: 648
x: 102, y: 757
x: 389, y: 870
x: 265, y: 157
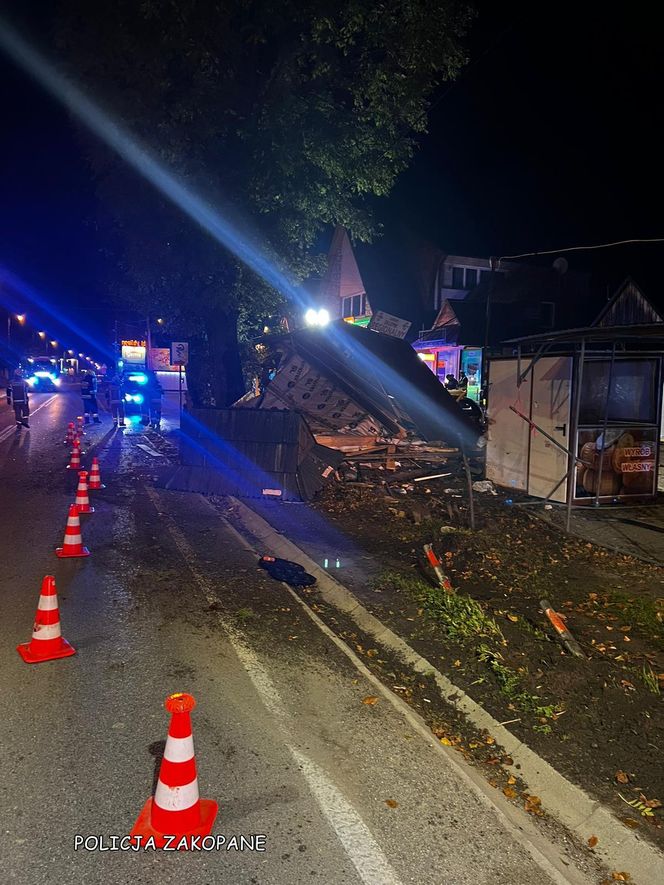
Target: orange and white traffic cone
x: 71, y: 434
x: 75, y: 463
x: 176, y: 809
x: 82, y: 500
x: 47, y: 642
x: 94, y: 481
x: 79, y: 428
x: 73, y: 542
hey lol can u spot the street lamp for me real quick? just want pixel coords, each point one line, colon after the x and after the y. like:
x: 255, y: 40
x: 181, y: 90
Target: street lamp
x: 20, y: 317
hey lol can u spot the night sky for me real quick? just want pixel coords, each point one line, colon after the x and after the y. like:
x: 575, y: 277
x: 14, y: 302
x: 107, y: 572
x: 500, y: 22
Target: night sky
x: 551, y: 137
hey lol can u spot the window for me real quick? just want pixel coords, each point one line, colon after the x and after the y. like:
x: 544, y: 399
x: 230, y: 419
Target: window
x: 457, y: 277
x: 354, y: 306
x: 471, y: 278
x: 633, y: 394
x: 548, y: 314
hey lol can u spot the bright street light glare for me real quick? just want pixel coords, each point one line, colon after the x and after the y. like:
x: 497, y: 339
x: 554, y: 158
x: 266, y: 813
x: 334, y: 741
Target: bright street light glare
x: 323, y: 317
x: 20, y: 317
x: 42, y: 334
x: 54, y: 343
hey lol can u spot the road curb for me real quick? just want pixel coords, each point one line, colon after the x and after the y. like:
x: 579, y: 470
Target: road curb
x: 617, y: 847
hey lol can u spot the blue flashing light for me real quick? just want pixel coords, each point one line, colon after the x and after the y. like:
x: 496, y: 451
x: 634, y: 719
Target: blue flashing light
x: 128, y: 398
x: 138, y: 398
x: 138, y: 378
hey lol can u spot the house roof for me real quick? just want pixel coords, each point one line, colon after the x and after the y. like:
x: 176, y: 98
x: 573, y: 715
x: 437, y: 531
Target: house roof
x: 342, y: 278
x: 628, y: 307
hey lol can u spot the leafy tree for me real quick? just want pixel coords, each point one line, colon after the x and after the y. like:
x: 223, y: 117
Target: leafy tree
x: 288, y: 115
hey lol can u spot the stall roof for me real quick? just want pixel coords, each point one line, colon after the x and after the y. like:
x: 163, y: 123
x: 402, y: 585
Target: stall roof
x: 653, y: 331
x: 384, y: 375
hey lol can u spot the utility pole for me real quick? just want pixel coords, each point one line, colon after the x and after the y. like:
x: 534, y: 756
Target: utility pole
x: 487, y: 322
x: 148, y: 344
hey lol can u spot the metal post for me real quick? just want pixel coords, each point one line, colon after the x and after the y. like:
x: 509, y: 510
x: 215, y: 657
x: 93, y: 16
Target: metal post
x: 571, y: 488
x: 148, y: 344
x: 606, y: 421
x: 180, y: 380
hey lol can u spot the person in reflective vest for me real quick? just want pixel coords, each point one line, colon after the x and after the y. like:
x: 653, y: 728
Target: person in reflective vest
x: 17, y: 396
x: 115, y: 400
x: 89, y: 395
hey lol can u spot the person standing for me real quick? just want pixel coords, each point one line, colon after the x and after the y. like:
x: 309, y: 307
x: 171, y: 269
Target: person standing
x: 154, y: 393
x: 89, y: 395
x: 115, y: 400
x: 463, y: 380
x: 17, y: 396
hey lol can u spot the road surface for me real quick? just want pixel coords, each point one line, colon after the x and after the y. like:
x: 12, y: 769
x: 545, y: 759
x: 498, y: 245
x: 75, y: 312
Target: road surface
x: 345, y: 792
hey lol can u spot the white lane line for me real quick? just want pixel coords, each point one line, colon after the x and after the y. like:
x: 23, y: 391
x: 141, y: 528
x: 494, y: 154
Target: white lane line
x: 354, y: 836
x: 8, y: 431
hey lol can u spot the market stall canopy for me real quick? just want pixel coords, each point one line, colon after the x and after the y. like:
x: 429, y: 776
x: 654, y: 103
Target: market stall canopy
x: 348, y: 380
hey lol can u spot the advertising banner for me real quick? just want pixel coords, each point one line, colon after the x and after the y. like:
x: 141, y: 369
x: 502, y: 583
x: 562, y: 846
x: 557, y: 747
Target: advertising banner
x: 628, y: 459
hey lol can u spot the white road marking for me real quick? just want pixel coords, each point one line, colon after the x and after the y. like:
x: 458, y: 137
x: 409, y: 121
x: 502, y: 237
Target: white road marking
x: 9, y: 431
x: 354, y: 836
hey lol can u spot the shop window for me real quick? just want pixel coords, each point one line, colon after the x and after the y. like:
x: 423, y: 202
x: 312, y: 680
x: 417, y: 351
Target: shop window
x: 633, y: 394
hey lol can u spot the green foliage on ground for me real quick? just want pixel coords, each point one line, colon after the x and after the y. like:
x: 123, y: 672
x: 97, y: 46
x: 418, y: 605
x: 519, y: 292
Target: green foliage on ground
x: 460, y: 616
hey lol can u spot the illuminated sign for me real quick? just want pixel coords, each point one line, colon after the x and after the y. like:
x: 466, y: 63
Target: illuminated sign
x: 133, y: 353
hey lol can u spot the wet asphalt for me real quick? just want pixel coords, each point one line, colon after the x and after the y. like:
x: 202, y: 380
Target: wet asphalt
x: 171, y: 600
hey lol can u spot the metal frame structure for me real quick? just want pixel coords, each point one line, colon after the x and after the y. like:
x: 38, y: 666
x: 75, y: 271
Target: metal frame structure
x: 584, y: 345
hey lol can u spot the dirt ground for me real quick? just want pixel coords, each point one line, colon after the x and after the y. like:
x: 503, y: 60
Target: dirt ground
x: 600, y: 719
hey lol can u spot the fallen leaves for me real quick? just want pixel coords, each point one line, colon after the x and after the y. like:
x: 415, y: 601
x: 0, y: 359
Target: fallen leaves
x: 533, y: 805
x: 391, y: 803
x: 370, y: 700
x: 592, y: 841
x: 621, y: 777
x: 510, y: 792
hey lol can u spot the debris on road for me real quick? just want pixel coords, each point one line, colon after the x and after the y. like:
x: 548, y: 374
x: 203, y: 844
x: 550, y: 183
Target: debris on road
x: 562, y: 630
x: 291, y: 573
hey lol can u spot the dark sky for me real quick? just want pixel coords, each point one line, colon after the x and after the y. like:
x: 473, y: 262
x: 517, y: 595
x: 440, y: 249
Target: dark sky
x: 551, y: 137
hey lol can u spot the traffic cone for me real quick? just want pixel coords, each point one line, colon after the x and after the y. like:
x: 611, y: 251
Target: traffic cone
x: 71, y: 434
x: 79, y: 429
x: 82, y: 500
x: 73, y: 542
x: 94, y: 482
x: 75, y: 463
x: 47, y: 643
x: 176, y: 809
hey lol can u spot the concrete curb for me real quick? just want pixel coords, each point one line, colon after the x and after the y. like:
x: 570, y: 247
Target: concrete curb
x: 617, y: 847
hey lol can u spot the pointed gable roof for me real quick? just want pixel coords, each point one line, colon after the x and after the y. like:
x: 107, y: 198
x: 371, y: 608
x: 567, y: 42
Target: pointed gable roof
x: 342, y: 277
x: 628, y: 307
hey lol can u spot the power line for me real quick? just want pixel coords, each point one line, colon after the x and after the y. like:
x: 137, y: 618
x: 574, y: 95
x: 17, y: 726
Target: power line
x: 582, y: 248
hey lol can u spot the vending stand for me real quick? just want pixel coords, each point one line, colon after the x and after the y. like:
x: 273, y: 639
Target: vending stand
x: 574, y: 416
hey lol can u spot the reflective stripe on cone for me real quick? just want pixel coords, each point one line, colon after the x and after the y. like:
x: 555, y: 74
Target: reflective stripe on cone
x: 82, y: 501
x: 73, y: 542
x: 94, y: 481
x: 75, y: 462
x: 47, y: 642
x: 176, y: 808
